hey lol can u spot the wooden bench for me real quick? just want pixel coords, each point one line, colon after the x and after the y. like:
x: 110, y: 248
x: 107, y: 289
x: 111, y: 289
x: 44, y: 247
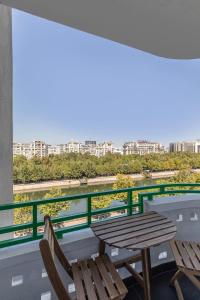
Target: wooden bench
x: 187, y: 257
x: 93, y: 279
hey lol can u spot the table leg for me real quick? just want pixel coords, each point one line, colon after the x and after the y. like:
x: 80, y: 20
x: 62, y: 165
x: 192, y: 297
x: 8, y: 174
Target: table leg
x: 146, y: 263
x: 102, y: 247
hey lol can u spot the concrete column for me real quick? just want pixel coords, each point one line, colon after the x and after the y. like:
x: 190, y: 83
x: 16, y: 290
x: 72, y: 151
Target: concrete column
x: 6, y: 130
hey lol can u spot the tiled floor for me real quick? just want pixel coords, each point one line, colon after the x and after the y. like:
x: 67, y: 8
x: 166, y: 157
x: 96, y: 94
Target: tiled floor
x: 161, y: 289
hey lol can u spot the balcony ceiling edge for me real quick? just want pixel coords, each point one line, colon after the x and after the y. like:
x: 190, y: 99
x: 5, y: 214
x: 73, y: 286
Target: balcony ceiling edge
x: 167, y: 28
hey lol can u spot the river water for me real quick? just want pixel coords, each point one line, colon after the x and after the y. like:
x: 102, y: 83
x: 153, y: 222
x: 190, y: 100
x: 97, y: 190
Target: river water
x: 82, y: 189
x: 80, y: 206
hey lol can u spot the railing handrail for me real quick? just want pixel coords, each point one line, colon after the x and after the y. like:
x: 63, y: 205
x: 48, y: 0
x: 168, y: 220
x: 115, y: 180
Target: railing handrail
x: 129, y: 205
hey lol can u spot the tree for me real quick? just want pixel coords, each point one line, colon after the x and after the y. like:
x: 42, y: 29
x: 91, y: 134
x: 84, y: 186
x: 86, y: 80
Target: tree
x: 103, y: 202
x: 54, y: 209
x: 75, y: 166
x: 22, y: 215
x: 122, y: 182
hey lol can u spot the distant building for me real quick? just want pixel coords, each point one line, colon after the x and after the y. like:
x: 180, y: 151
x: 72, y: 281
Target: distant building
x: 185, y: 146
x: 142, y: 147
x: 90, y: 143
x: 29, y: 150
x: 118, y: 151
x: 104, y: 148
x: 41, y: 149
x: 38, y: 149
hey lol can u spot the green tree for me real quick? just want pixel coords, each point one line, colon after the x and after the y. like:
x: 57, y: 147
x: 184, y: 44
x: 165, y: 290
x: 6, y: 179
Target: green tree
x: 123, y: 181
x: 75, y: 166
x: 54, y: 209
x: 101, y: 202
x: 22, y: 215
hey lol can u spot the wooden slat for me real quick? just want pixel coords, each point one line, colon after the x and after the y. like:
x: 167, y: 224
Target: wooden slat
x: 115, y: 276
x: 184, y: 255
x: 192, y: 256
x: 88, y: 281
x: 136, y: 275
x: 129, y: 260
x: 143, y: 233
x: 176, y: 253
x: 152, y: 242
x: 145, y: 238
x: 196, y: 249
x: 128, y: 224
x: 80, y: 293
x: 133, y: 228
x: 112, y: 291
x: 132, y: 224
x: 116, y: 220
x: 97, y: 280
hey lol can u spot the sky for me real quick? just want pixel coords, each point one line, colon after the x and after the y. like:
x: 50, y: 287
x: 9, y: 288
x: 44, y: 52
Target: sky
x: 72, y: 85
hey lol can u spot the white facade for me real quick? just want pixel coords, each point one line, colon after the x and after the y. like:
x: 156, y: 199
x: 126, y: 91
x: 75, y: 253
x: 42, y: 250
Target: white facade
x: 41, y: 149
x: 142, y: 147
x: 104, y: 148
x: 185, y: 146
x: 29, y: 150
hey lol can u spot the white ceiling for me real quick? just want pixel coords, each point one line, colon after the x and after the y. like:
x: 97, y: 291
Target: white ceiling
x: 168, y: 28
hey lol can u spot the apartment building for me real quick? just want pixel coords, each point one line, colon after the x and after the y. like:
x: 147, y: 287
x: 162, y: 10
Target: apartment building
x: 38, y: 149
x: 185, y: 146
x: 104, y: 148
x: 41, y: 149
x: 142, y: 147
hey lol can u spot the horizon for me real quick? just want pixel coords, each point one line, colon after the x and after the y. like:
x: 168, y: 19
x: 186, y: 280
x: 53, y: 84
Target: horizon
x: 113, y: 90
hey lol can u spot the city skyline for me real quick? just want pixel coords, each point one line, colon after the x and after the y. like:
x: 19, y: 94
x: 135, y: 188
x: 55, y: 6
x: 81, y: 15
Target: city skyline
x: 83, y: 140
x: 67, y: 81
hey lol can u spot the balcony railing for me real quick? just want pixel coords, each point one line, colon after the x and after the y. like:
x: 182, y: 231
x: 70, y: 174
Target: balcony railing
x: 132, y: 204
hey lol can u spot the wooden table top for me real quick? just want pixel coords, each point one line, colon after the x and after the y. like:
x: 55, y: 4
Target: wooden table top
x: 135, y: 232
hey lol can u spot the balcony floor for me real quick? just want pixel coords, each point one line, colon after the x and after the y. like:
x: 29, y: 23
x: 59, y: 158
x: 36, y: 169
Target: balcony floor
x: 160, y: 286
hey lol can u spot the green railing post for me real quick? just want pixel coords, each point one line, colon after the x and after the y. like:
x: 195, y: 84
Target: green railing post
x: 141, y: 203
x: 150, y: 197
x: 162, y: 189
x: 89, y: 210
x: 130, y: 203
x: 34, y: 221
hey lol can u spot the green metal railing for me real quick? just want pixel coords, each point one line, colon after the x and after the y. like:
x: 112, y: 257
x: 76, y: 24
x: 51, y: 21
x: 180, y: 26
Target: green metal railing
x: 132, y: 204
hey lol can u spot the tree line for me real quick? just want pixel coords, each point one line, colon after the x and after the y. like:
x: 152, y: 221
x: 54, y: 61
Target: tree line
x: 76, y: 166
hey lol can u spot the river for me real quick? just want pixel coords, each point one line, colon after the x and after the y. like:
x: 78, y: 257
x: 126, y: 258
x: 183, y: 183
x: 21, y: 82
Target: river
x: 80, y: 206
x: 82, y: 189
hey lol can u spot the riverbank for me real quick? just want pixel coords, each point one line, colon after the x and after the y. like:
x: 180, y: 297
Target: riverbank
x: 42, y: 186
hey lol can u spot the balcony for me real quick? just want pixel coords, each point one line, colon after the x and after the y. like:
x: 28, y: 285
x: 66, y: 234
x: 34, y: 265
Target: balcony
x: 21, y: 266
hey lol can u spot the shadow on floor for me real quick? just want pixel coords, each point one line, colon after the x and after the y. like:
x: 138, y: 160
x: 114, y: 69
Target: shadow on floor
x: 160, y: 286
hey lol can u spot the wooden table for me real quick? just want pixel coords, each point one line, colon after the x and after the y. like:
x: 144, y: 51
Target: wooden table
x: 138, y: 232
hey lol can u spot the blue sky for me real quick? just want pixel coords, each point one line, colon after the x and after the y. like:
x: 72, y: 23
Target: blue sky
x: 73, y: 85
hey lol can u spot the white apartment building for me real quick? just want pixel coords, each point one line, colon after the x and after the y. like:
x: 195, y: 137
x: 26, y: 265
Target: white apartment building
x: 41, y: 149
x: 104, y: 148
x: 29, y: 150
x: 38, y: 149
x: 185, y: 146
x: 22, y: 149
x: 142, y: 147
